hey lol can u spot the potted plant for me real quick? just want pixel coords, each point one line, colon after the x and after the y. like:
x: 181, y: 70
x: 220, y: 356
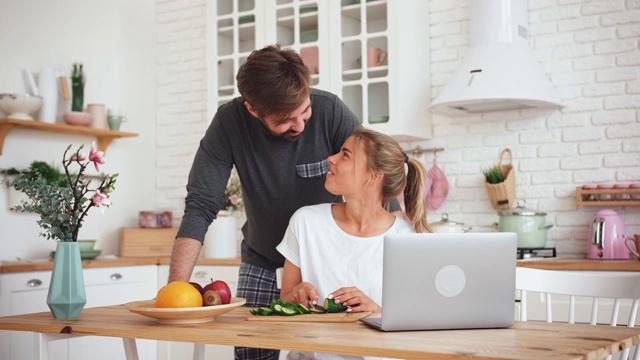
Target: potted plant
x: 500, y: 183
x: 63, y: 205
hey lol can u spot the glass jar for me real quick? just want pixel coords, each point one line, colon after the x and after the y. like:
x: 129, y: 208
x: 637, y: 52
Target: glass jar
x: 635, y: 186
x: 622, y: 196
x: 605, y: 196
x: 590, y: 197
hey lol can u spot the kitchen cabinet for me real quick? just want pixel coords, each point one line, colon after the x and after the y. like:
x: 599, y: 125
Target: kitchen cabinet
x: 334, y: 37
x: 26, y: 292
x: 103, y: 137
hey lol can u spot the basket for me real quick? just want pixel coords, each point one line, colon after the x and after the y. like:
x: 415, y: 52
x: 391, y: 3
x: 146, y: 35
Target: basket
x: 503, y: 195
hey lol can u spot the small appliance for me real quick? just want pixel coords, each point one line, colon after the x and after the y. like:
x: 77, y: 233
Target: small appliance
x: 607, y: 237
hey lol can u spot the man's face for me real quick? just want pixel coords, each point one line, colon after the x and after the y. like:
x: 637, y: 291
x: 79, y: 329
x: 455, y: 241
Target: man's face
x: 289, y: 127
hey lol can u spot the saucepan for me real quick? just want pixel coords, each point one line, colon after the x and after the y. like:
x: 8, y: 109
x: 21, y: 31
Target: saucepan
x: 528, y: 224
x: 448, y: 226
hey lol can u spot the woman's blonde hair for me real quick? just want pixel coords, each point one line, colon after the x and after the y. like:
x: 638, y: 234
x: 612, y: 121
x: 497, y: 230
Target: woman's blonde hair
x: 385, y: 154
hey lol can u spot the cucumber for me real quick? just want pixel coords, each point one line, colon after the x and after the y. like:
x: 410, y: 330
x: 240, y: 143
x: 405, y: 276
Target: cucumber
x: 317, y: 310
x: 332, y: 307
x: 255, y: 311
x: 265, y: 311
x: 303, y: 309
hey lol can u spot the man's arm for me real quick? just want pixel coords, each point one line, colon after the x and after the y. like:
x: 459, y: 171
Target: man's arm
x: 183, y: 258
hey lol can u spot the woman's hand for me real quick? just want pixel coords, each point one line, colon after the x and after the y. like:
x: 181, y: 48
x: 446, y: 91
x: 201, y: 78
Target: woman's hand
x: 356, y: 300
x: 302, y: 294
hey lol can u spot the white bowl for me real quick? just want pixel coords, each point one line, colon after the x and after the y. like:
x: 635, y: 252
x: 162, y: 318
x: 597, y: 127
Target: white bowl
x: 19, y: 106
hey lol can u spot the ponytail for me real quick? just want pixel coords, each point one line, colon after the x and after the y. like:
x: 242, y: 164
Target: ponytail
x: 414, y: 196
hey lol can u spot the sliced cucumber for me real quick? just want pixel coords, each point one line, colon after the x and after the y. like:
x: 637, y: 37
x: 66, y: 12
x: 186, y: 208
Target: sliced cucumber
x: 255, y: 311
x: 332, y: 307
x: 317, y: 310
x: 303, y: 309
x: 265, y: 311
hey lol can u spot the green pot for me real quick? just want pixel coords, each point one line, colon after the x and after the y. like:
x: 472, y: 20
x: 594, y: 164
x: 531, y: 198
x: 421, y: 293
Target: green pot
x: 529, y: 225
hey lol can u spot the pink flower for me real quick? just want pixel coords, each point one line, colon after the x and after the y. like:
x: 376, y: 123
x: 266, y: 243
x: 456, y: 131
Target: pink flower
x: 96, y: 156
x: 79, y: 157
x: 100, y: 199
x: 234, y: 199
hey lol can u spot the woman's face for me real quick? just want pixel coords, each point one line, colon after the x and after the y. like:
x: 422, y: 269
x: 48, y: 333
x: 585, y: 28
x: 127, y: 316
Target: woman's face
x: 346, y: 175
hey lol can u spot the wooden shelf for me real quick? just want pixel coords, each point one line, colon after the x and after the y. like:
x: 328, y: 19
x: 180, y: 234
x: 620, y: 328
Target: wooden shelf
x: 582, y: 197
x: 104, y: 137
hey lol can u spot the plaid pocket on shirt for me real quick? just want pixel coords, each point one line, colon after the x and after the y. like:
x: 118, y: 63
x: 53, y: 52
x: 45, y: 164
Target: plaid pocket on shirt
x: 312, y: 170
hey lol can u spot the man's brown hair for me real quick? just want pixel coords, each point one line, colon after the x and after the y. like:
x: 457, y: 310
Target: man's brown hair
x: 274, y: 81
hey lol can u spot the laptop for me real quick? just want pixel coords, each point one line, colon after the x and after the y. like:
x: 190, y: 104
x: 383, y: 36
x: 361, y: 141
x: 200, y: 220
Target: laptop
x: 441, y: 281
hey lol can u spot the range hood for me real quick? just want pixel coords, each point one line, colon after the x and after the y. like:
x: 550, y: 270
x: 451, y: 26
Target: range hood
x: 500, y: 71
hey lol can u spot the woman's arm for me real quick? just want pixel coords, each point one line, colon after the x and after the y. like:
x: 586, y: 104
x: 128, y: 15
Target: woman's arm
x: 294, y: 290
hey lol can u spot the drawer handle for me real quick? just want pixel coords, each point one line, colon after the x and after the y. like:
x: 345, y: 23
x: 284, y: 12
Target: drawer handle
x: 200, y: 274
x: 34, y: 282
x: 116, y: 276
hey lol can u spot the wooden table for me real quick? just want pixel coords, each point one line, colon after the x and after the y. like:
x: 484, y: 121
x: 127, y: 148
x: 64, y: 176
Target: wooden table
x: 524, y: 340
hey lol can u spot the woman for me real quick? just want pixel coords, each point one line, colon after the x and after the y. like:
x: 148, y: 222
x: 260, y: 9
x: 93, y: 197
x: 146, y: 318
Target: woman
x: 335, y: 250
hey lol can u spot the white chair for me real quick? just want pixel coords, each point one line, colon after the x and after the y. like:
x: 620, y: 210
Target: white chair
x: 598, y: 288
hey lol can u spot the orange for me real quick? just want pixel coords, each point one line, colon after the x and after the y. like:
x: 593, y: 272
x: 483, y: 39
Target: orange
x: 178, y: 294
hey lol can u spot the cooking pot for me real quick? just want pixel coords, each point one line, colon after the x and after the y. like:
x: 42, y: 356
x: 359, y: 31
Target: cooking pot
x: 447, y: 226
x: 528, y: 224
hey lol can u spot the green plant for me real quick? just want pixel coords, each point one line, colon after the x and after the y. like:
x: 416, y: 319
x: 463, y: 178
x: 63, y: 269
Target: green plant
x: 493, y: 175
x: 63, y: 204
x: 77, y: 88
x: 48, y: 172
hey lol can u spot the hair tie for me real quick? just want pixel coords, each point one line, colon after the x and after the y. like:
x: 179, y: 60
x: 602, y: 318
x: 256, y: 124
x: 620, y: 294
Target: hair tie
x: 406, y: 159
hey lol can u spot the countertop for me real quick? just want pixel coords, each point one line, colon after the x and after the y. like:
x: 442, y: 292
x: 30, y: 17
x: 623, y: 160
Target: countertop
x: 23, y: 266
x: 542, y: 263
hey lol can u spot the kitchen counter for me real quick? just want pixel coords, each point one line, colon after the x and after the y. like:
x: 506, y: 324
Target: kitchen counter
x: 545, y: 263
x: 24, y: 266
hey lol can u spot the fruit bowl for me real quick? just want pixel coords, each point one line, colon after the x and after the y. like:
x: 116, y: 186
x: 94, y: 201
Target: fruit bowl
x: 19, y: 106
x: 179, y: 316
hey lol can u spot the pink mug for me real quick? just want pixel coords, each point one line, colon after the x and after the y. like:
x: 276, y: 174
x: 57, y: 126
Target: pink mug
x: 375, y: 56
x: 636, y: 240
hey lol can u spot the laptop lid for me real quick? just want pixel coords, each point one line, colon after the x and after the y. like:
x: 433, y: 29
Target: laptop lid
x: 448, y: 281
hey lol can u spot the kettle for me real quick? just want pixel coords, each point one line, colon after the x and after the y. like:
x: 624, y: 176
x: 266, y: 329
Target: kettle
x: 607, y: 237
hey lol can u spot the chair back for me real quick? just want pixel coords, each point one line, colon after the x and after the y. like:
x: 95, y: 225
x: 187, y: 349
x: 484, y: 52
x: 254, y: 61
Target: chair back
x: 597, y: 288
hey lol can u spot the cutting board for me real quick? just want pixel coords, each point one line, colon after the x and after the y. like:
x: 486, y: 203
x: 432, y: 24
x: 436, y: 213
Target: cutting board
x: 336, y: 317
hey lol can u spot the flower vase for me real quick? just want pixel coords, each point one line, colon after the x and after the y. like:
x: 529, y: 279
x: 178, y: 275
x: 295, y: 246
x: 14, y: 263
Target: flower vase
x: 67, y: 297
x: 220, y: 240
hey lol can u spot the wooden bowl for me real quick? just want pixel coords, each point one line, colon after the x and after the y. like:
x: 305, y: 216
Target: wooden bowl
x: 193, y: 315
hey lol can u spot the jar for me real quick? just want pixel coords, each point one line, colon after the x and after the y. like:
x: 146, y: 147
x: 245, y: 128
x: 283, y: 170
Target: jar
x: 622, y: 196
x: 590, y: 197
x: 635, y: 186
x: 606, y: 196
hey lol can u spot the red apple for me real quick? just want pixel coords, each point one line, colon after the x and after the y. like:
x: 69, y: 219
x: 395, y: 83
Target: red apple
x: 198, y: 287
x: 222, y: 288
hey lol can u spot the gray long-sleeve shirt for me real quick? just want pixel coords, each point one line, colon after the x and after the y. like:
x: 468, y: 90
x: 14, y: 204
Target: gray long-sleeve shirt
x: 274, y: 173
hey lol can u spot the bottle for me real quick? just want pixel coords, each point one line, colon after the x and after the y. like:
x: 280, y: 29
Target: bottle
x: 48, y: 89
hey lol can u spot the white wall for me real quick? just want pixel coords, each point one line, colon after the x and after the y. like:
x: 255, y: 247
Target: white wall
x: 590, y: 51
x: 115, y: 40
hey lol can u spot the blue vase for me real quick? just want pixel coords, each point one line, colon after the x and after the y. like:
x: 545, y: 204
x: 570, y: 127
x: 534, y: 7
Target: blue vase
x: 67, y: 297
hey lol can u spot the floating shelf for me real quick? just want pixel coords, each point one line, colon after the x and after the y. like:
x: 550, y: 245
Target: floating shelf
x: 104, y: 137
x: 582, y: 197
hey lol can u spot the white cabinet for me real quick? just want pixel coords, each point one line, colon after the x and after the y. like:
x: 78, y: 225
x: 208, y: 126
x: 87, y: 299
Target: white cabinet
x: 334, y: 37
x: 26, y: 292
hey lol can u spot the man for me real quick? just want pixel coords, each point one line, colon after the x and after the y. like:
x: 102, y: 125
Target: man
x: 278, y: 135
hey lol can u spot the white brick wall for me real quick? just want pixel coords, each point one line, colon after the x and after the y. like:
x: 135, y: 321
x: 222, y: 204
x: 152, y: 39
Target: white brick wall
x: 590, y: 49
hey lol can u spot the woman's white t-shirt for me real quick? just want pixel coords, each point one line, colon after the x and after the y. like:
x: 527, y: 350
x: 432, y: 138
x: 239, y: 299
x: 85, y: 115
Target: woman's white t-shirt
x: 329, y: 258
